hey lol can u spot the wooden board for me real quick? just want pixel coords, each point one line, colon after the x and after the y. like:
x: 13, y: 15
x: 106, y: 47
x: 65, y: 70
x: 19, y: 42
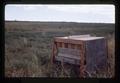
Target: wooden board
x: 64, y: 59
x: 71, y: 56
x: 96, y: 55
x: 69, y: 51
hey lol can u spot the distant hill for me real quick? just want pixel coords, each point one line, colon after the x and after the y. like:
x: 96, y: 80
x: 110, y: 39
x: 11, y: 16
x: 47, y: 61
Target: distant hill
x: 75, y: 24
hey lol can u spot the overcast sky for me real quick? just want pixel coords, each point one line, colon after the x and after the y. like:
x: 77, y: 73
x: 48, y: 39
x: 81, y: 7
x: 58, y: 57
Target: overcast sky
x: 67, y: 13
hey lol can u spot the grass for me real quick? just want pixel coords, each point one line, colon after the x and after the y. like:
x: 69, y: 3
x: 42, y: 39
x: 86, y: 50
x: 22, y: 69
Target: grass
x: 27, y: 52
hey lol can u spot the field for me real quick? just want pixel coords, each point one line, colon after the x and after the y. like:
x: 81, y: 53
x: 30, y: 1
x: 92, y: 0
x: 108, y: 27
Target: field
x: 28, y: 47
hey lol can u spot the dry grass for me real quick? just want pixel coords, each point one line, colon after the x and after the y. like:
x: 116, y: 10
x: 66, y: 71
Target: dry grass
x: 27, y: 54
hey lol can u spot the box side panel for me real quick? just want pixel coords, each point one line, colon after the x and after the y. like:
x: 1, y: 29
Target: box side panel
x: 68, y: 55
x: 96, y: 55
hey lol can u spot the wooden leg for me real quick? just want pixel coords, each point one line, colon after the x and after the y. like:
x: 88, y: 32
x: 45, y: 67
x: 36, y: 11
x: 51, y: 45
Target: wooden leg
x: 82, y: 71
x: 106, y: 46
x: 82, y: 65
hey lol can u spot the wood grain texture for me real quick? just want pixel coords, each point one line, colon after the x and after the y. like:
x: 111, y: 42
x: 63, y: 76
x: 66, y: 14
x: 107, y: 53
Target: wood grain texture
x: 96, y: 55
x: 90, y: 55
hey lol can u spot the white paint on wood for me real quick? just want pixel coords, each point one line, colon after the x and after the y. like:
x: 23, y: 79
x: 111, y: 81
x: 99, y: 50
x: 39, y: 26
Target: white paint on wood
x: 81, y: 37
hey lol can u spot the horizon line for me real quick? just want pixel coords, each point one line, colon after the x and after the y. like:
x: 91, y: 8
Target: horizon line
x: 57, y: 21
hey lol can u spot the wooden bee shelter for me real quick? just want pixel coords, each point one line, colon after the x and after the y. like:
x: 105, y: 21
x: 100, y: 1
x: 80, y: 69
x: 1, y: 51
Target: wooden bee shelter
x: 89, y: 52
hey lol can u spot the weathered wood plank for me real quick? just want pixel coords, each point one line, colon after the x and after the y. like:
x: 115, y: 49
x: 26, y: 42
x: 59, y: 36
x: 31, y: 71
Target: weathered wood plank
x: 72, y: 41
x: 78, y: 36
x: 68, y: 59
x: 69, y: 51
x: 69, y: 56
x: 90, y: 53
x: 96, y: 55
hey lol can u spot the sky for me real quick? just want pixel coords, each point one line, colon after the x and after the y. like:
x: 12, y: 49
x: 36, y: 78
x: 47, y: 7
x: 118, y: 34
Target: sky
x: 65, y: 13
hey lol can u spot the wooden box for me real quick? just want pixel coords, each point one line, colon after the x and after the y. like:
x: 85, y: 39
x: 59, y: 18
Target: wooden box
x: 90, y: 53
